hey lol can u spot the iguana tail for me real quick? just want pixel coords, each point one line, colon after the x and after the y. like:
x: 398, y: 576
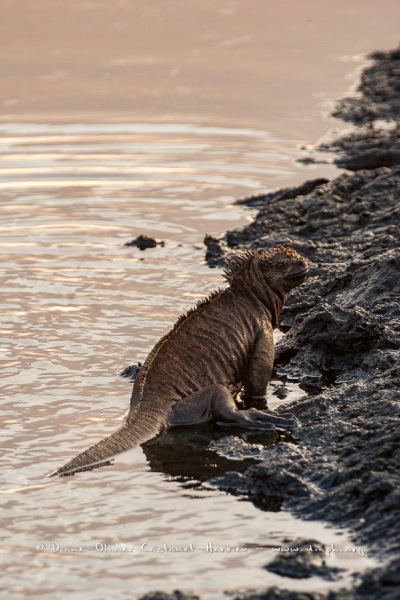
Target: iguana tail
x: 139, y: 427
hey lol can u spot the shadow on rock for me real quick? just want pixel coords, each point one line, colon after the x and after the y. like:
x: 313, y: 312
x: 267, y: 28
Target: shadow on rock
x: 192, y: 455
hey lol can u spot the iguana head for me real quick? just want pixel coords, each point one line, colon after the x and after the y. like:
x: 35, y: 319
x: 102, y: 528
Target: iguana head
x: 281, y: 268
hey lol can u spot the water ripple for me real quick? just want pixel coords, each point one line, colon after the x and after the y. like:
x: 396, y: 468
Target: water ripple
x: 77, y: 307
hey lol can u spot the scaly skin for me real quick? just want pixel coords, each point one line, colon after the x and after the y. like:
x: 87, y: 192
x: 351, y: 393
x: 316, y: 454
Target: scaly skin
x: 220, y: 347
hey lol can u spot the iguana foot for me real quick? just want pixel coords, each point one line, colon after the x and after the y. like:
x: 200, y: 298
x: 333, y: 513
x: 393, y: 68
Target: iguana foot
x: 285, y: 422
x: 217, y: 403
x: 245, y: 422
x: 261, y: 419
x: 266, y: 427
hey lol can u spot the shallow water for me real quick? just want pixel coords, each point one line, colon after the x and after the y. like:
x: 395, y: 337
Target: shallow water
x: 77, y: 306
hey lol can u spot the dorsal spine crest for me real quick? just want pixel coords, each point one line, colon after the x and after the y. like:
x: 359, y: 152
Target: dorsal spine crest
x: 190, y: 314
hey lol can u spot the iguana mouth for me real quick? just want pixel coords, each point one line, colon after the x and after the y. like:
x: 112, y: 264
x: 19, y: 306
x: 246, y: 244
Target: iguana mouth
x: 298, y: 274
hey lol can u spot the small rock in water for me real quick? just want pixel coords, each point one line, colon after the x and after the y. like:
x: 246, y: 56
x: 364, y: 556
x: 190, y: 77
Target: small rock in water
x: 143, y: 242
x: 215, y: 251
x: 131, y: 371
x: 281, y: 392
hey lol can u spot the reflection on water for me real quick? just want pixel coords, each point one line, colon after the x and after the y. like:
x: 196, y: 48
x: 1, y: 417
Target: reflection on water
x: 185, y: 453
x: 76, y: 307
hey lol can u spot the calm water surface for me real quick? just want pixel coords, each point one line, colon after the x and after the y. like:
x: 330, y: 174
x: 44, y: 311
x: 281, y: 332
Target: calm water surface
x: 77, y: 306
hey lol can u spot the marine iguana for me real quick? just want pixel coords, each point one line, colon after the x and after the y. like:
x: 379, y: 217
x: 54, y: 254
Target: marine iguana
x: 218, y: 348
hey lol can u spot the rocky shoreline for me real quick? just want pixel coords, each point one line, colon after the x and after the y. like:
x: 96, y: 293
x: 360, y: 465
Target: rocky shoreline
x: 342, y: 342
x: 343, y: 338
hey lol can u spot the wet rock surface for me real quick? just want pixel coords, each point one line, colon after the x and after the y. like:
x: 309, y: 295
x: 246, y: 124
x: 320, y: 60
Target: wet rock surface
x: 376, y: 113
x: 143, y: 242
x: 131, y: 371
x: 175, y: 595
x: 215, y: 251
x: 342, y: 343
x: 302, y: 559
x: 379, y: 91
x: 368, y: 148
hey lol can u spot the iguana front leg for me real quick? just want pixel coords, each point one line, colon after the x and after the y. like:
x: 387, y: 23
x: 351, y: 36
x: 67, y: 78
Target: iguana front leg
x: 217, y: 403
x: 257, y: 377
x: 259, y: 370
